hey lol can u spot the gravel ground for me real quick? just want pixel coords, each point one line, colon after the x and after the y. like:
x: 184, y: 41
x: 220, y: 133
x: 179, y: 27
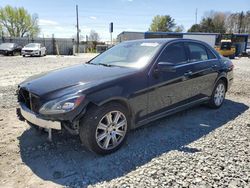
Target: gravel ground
x: 199, y: 147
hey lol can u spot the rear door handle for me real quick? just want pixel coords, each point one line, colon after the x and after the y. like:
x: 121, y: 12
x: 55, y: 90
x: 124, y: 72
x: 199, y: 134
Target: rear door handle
x: 187, y: 74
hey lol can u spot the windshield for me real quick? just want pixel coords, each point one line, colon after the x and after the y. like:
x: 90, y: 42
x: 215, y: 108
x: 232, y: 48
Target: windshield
x: 135, y: 54
x: 7, y: 45
x: 33, y: 45
x: 226, y: 45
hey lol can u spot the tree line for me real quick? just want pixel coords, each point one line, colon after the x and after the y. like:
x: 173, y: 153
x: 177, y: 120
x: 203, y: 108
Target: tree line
x: 222, y: 22
x: 17, y: 22
x: 212, y: 22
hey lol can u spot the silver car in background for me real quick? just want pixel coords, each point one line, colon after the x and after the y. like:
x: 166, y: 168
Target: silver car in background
x: 34, y: 49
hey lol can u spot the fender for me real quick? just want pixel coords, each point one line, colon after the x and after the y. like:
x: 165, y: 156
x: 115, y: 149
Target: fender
x: 222, y: 75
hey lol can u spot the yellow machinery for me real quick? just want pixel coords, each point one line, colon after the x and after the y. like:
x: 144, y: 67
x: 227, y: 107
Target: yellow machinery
x: 226, y: 48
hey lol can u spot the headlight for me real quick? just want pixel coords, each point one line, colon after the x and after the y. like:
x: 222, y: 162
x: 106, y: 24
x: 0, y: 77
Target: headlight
x: 61, y: 105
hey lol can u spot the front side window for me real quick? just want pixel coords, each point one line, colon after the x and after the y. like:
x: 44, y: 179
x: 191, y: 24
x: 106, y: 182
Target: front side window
x: 174, y: 53
x: 197, y: 52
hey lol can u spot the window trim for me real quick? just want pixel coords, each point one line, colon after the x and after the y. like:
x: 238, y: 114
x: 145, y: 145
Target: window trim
x: 211, y: 53
x: 189, y: 52
x: 204, y: 46
x: 152, y: 66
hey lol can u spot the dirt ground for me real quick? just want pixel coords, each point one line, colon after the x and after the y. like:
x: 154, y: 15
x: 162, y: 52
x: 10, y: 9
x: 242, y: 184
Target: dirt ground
x: 29, y: 160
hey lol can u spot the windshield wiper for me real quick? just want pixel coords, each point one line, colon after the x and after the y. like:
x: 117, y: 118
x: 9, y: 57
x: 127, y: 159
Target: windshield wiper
x: 104, y: 64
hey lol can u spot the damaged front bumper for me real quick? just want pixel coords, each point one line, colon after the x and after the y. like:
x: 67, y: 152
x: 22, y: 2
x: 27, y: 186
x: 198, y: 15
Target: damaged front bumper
x: 33, y: 118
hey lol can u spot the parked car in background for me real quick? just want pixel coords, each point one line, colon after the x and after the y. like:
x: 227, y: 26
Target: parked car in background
x: 34, y: 49
x: 129, y: 85
x: 248, y: 51
x: 10, y: 49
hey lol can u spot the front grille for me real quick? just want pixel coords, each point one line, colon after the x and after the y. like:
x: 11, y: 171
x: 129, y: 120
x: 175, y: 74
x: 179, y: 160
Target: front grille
x: 24, y: 97
x: 35, y: 103
x: 28, y: 50
x: 30, y: 100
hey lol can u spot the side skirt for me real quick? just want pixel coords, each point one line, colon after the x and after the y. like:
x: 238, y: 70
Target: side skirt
x: 172, y: 111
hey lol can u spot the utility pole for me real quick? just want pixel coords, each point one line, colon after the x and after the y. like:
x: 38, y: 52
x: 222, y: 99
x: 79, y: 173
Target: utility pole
x: 77, y: 27
x: 196, y: 12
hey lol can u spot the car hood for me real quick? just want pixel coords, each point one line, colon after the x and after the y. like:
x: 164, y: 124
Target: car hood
x: 27, y: 48
x: 4, y: 48
x: 81, y: 76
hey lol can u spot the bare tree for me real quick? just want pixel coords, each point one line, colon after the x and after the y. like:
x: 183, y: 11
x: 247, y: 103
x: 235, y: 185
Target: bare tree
x: 238, y: 22
x: 223, y: 22
x: 93, y: 39
x: 247, y: 22
x: 94, y: 36
x: 179, y: 28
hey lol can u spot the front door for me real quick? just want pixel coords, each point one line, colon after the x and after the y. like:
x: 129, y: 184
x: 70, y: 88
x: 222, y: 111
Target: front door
x: 168, y: 89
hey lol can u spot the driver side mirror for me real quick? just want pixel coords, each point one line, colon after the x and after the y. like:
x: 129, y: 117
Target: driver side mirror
x: 166, y: 67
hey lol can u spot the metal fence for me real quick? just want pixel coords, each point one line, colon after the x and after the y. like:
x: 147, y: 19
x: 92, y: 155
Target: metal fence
x: 54, y: 46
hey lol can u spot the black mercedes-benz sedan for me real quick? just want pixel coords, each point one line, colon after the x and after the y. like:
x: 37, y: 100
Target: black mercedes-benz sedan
x: 127, y: 86
x: 10, y: 49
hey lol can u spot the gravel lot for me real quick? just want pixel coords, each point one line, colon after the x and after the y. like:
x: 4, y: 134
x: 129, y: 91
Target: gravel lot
x: 199, y: 147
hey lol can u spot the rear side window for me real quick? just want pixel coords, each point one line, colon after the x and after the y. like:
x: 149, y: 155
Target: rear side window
x: 174, y: 53
x: 197, y: 52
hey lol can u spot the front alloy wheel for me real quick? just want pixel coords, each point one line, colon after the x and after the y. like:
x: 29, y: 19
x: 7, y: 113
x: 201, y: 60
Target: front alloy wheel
x: 103, y: 129
x: 111, y: 130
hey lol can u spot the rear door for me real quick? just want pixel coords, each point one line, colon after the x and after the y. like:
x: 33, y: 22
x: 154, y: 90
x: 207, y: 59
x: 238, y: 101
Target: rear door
x: 205, y: 68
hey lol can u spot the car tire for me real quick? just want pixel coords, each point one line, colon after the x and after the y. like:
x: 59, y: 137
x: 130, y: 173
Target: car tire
x: 103, y: 129
x: 218, y: 96
x: 17, y: 53
x: 40, y: 54
x: 23, y: 55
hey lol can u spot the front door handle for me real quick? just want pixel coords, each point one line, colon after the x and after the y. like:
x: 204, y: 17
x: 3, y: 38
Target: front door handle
x: 214, y: 66
x: 187, y: 74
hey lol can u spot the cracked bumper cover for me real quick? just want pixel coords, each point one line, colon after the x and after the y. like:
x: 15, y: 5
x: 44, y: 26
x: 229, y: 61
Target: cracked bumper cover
x: 31, y: 117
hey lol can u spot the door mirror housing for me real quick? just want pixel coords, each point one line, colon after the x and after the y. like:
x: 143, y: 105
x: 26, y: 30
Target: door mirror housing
x: 166, y: 67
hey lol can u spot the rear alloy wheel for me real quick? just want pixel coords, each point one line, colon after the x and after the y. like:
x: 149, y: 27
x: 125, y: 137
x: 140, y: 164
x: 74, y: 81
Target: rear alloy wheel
x: 103, y: 129
x: 218, y: 95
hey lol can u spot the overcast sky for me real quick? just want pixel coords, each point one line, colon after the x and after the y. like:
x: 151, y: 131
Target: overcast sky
x: 59, y: 17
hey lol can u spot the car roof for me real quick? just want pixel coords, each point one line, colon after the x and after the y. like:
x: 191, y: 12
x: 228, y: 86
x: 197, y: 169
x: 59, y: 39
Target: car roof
x: 166, y: 40
x: 34, y: 43
x: 8, y: 43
